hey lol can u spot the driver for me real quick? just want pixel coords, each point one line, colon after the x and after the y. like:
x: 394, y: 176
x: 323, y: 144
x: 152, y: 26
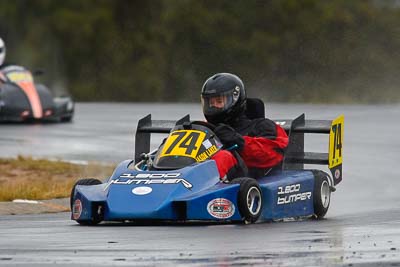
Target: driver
x: 252, y: 146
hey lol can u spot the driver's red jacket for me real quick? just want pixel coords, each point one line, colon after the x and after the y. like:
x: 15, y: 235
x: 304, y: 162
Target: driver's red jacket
x: 265, y: 142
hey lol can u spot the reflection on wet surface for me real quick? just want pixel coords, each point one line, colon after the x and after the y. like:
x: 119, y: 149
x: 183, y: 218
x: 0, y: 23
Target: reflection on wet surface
x: 343, y: 241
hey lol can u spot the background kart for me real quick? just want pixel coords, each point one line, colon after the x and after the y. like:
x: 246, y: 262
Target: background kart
x: 178, y: 183
x: 21, y: 99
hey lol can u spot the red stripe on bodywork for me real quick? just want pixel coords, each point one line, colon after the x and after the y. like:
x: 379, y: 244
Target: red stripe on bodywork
x: 33, y: 97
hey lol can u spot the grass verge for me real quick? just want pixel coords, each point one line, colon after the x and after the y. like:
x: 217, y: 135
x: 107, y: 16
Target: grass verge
x: 27, y: 178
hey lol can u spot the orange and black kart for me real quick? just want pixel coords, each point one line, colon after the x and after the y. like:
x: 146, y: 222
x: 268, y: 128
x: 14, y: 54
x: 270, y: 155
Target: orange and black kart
x: 21, y: 99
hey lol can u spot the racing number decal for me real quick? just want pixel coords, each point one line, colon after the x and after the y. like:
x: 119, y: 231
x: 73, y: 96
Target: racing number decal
x: 169, y: 147
x: 336, y: 142
x: 183, y: 143
x: 19, y: 76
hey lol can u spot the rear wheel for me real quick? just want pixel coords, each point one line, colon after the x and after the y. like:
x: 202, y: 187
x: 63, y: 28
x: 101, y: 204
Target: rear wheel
x: 249, y: 199
x: 96, y: 218
x: 322, y: 194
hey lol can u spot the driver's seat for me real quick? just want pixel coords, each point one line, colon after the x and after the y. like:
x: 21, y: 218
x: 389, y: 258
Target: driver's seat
x: 255, y: 108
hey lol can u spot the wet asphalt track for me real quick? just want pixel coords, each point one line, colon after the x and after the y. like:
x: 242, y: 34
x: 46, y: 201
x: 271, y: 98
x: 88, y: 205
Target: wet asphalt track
x: 362, y: 226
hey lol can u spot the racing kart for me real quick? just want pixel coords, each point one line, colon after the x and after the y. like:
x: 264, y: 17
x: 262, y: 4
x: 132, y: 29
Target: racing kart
x: 178, y: 182
x: 21, y: 99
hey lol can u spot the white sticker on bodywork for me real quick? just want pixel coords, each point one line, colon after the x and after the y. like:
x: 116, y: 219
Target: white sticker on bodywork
x: 207, y: 144
x: 221, y: 208
x: 142, y: 190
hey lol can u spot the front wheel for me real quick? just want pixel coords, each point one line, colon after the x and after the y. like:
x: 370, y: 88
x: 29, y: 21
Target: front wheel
x: 322, y: 194
x: 249, y: 199
x: 96, y: 216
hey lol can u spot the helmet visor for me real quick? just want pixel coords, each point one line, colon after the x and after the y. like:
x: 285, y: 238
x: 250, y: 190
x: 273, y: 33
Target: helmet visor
x: 218, y: 103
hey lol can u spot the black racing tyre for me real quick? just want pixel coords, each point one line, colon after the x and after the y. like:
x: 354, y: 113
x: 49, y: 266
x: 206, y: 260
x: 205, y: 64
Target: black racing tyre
x: 90, y: 181
x: 249, y: 199
x: 89, y: 222
x: 322, y: 194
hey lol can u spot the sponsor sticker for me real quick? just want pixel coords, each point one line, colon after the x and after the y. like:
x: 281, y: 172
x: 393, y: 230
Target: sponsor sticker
x: 291, y: 194
x: 207, y: 144
x: 221, y: 208
x: 337, y: 173
x: 150, y: 178
x: 77, y: 209
x: 207, y: 154
x: 142, y: 190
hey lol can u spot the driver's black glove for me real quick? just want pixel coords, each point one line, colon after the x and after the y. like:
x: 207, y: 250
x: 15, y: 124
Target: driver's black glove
x: 228, y: 136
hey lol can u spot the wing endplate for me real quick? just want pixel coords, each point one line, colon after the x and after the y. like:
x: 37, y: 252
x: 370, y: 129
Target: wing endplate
x: 336, y: 149
x: 296, y: 157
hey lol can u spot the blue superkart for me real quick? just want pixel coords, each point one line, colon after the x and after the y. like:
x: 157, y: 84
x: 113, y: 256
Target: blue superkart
x: 178, y: 182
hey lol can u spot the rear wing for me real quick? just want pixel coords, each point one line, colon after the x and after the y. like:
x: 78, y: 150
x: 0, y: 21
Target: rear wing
x: 295, y: 157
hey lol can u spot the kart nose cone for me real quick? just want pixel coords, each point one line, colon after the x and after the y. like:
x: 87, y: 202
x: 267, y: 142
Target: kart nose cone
x: 142, y: 201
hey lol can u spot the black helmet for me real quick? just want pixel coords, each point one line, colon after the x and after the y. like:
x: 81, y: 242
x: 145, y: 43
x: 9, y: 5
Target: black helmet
x: 223, y: 98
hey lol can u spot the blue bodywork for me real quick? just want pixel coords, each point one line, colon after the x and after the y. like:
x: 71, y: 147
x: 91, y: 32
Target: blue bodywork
x: 187, y: 196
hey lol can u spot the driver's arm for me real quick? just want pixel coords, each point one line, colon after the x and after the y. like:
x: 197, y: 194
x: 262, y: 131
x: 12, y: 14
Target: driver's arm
x: 262, y: 151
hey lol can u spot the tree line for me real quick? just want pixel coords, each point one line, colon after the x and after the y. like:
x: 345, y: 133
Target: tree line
x: 336, y: 51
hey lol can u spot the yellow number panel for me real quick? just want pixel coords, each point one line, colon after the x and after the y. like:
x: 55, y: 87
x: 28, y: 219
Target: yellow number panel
x: 17, y: 77
x: 336, y: 142
x: 183, y: 143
